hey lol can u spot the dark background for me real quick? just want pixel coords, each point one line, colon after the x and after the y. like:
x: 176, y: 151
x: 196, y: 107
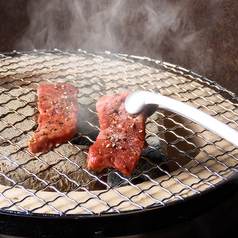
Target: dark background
x: 198, y: 35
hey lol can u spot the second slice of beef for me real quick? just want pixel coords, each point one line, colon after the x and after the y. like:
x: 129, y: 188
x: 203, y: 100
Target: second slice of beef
x: 121, y: 138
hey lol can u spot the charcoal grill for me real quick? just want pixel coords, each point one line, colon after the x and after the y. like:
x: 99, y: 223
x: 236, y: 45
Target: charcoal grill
x: 183, y: 160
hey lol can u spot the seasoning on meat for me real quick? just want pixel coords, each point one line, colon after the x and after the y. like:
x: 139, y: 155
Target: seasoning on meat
x: 57, y: 122
x: 121, y: 137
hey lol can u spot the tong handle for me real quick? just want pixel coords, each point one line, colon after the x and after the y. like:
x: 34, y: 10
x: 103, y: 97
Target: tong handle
x: 137, y: 100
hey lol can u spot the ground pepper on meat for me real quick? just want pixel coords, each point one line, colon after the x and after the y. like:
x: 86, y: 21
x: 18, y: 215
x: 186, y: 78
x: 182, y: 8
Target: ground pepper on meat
x: 57, y: 122
x: 121, y: 138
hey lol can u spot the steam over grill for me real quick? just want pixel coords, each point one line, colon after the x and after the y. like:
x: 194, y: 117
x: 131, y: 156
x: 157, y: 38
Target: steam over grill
x: 182, y: 160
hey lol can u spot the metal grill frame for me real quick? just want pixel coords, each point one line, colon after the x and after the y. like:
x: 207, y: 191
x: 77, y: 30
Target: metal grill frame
x: 186, y: 77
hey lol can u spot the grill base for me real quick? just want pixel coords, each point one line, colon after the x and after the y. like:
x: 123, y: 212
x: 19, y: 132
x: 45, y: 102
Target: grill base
x: 212, y: 214
x: 189, y: 160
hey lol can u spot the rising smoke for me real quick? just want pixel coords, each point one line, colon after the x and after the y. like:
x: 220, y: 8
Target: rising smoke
x: 198, y: 35
x: 115, y: 25
x: 159, y: 29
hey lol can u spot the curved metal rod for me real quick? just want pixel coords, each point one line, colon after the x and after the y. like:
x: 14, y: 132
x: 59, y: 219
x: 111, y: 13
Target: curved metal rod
x: 136, y: 101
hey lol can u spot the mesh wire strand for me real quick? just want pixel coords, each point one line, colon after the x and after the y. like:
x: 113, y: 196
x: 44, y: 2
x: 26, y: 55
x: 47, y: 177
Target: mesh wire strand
x: 182, y: 159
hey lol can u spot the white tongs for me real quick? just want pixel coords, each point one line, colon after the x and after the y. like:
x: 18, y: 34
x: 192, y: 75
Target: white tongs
x: 136, y: 101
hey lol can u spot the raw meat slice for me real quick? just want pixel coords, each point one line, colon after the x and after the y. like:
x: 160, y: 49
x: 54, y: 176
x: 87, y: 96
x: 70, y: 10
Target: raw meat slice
x: 58, y: 107
x: 121, y: 137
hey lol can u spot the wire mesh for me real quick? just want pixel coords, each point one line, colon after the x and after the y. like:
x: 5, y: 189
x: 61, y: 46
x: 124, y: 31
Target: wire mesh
x: 182, y: 160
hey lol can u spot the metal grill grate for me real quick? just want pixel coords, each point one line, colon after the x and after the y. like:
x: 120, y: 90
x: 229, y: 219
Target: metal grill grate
x: 182, y: 160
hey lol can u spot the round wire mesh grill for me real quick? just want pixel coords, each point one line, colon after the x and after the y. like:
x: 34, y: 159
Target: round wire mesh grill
x: 182, y: 160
